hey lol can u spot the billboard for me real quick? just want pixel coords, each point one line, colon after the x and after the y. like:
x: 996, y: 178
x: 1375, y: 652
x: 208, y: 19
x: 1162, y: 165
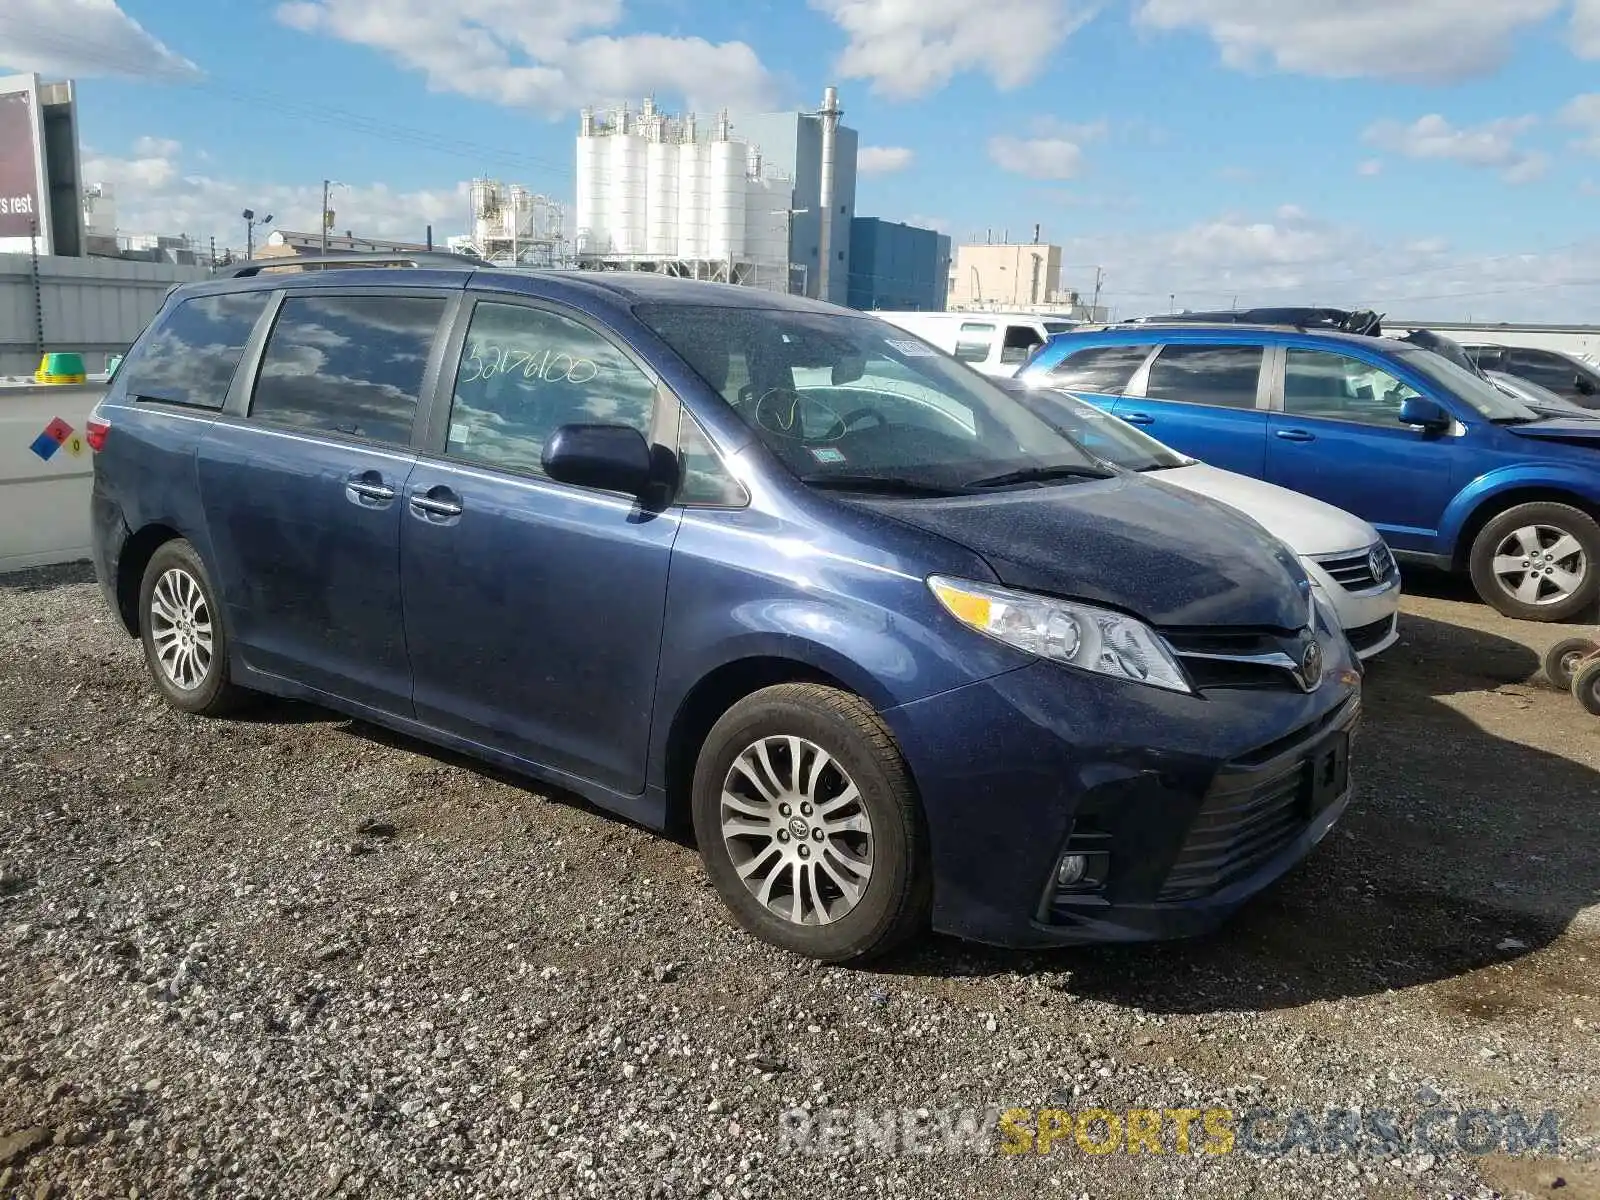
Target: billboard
x: 21, y: 206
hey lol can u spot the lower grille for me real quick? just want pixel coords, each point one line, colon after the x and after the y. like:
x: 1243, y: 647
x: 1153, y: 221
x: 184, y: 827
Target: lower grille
x: 1364, y: 637
x: 1234, y: 833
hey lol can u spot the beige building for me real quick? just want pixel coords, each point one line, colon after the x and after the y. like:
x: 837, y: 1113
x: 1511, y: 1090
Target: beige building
x: 1010, y: 275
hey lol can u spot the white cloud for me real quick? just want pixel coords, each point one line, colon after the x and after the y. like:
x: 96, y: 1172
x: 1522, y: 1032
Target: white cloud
x: 1583, y: 114
x: 909, y: 48
x: 544, y: 56
x: 156, y: 194
x: 1372, y: 167
x: 1490, y: 145
x: 882, y: 160
x: 1037, y: 158
x: 1297, y: 258
x: 1429, y: 41
x: 84, y: 39
x: 1584, y: 33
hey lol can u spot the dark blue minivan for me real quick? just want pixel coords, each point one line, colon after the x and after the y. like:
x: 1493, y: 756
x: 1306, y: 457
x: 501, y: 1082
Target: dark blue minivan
x: 897, y: 651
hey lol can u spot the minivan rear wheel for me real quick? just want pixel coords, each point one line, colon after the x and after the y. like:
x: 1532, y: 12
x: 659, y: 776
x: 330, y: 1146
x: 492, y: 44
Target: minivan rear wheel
x: 180, y: 626
x: 809, y: 825
x: 1538, y: 561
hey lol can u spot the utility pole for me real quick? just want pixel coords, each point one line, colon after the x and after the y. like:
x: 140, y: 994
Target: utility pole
x: 327, y: 185
x: 1094, y: 305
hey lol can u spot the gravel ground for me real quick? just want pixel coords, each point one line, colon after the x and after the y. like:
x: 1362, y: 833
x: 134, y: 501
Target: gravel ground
x: 295, y: 956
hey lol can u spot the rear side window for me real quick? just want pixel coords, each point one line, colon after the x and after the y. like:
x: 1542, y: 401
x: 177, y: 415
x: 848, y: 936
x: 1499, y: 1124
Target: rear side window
x: 973, y: 342
x: 1101, y: 369
x: 1543, y: 367
x: 1225, y: 376
x: 1021, y: 341
x: 190, y: 357
x: 347, y: 365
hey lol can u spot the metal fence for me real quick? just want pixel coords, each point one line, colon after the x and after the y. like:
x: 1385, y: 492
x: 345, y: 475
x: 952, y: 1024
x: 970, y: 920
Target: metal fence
x: 95, y: 306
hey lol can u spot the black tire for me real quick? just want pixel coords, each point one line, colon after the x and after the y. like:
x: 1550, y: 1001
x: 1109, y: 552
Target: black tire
x: 1562, y: 660
x: 1586, y: 687
x: 893, y: 905
x: 213, y: 694
x: 1562, y: 518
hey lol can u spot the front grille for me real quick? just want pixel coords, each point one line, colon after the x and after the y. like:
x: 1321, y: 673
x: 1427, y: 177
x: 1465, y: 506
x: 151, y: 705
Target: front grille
x: 1233, y: 834
x: 1364, y: 637
x: 1230, y: 659
x: 1362, y: 571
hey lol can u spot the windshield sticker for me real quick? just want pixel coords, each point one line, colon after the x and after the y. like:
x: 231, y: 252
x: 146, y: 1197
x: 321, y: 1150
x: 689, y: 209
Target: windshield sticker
x: 910, y: 349
x: 827, y: 454
x: 458, y: 434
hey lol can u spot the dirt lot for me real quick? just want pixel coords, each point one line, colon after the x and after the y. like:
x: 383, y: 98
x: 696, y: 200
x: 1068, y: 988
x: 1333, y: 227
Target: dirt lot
x: 292, y: 956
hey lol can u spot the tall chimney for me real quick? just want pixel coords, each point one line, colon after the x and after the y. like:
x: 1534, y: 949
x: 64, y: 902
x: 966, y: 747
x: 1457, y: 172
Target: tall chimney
x: 830, y: 136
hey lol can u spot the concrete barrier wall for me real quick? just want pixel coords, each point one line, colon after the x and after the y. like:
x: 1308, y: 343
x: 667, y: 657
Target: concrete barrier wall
x: 46, y: 471
x: 95, y: 306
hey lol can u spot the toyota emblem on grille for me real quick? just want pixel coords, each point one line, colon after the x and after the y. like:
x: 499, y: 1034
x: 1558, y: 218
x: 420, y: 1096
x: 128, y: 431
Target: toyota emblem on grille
x: 1311, y: 665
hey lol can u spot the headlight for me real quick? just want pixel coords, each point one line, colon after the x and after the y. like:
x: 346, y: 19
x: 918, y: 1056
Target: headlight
x: 1080, y: 635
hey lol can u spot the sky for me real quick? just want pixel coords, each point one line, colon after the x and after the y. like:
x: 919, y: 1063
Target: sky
x: 1435, y: 159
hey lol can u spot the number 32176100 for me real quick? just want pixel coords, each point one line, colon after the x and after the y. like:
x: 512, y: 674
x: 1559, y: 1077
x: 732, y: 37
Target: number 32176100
x: 485, y: 361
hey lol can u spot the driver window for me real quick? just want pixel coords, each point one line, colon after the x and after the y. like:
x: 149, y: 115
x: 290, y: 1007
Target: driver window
x: 1340, y: 388
x: 1020, y: 343
x: 524, y: 373
x: 974, y: 341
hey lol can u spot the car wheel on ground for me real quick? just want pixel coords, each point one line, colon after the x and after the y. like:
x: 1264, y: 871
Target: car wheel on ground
x: 1586, y: 687
x: 1561, y: 661
x: 180, y: 624
x: 809, y: 826
x: 1538, y: 561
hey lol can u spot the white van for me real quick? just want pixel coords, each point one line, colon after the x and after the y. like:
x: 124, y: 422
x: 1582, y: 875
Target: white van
x: 993, y: 343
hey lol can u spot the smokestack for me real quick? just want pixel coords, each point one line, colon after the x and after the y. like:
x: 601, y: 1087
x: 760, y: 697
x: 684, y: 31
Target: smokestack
x: 1036, y: 233
x: 830, y: 136
x: 430, y: 237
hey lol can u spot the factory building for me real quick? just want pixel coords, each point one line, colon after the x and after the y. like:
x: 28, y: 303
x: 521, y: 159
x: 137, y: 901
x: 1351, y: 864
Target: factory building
x: 735, y: 199
x: 897, y: 267
x: 1006, y: 275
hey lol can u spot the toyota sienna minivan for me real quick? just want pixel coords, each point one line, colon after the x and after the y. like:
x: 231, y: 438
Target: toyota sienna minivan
x: 899, y: 652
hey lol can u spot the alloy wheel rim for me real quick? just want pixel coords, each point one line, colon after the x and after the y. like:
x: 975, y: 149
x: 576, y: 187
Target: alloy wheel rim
x: 797, y: 830
x: 1540, y: 565
x: 180, y: 629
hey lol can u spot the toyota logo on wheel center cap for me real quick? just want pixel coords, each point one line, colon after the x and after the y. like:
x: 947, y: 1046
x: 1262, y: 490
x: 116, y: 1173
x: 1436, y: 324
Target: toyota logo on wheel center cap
x: 798, y: 828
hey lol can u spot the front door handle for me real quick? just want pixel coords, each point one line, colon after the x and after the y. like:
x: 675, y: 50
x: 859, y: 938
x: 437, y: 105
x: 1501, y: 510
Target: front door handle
x: 436, y: 502
x: 1138, y: 418
x: 1295, y: 435
x: 367, y: 487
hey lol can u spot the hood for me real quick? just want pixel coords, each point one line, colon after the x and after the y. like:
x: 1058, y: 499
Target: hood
x: 1308, y: 527
x: 1580, y: 431
x: 1169, y: 556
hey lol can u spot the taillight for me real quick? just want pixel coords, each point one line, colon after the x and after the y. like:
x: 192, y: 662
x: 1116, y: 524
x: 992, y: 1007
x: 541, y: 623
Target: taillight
x: 95, y: 430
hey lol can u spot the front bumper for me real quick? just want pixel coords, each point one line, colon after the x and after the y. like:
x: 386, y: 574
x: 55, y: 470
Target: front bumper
x: 1370, y: 618
x: 1179, y: 790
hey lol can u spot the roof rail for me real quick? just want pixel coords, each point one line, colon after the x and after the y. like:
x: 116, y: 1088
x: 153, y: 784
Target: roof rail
x: 443, y: 259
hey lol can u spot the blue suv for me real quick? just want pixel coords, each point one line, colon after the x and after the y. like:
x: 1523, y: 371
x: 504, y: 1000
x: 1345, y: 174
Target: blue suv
x: 893, y: 647
x: 1453, y: 472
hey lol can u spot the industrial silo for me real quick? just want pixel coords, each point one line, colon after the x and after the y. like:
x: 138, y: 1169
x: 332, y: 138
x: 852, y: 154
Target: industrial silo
x: 726, y: 187
x: 593, y: 236
x: 626, y: 195
x: 661, y: 191
x: 692, y: 160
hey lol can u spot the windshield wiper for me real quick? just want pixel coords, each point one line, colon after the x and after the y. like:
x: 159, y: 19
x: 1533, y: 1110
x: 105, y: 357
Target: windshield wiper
x: 1041, y: 475
x: 887, y: 485
x: 1512, y: 420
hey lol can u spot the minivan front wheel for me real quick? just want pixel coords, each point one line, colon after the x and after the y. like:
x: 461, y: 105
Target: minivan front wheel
x: 180, y: 626
x: 1538, y: 561
x: 809, y: 826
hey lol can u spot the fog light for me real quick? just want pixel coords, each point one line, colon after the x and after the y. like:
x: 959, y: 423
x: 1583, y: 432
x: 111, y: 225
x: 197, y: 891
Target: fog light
x: 1072, y: 871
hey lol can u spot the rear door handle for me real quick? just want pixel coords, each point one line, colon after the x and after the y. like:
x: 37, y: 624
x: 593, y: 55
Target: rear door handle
x: 1138, y: 418
x: 1295, y: 435
x: 436, y: 502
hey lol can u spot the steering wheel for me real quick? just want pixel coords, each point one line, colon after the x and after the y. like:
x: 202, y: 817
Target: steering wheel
x: 861, y: 414
x: 779, y: 411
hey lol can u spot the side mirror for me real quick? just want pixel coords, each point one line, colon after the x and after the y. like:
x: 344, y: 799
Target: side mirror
x: 1418, y: 410
x: 609, y: 458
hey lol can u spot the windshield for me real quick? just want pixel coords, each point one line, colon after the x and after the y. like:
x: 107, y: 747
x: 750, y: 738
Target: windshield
x: 1102, y: 435
x: 848, y: 401
x: 1475, y: 390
